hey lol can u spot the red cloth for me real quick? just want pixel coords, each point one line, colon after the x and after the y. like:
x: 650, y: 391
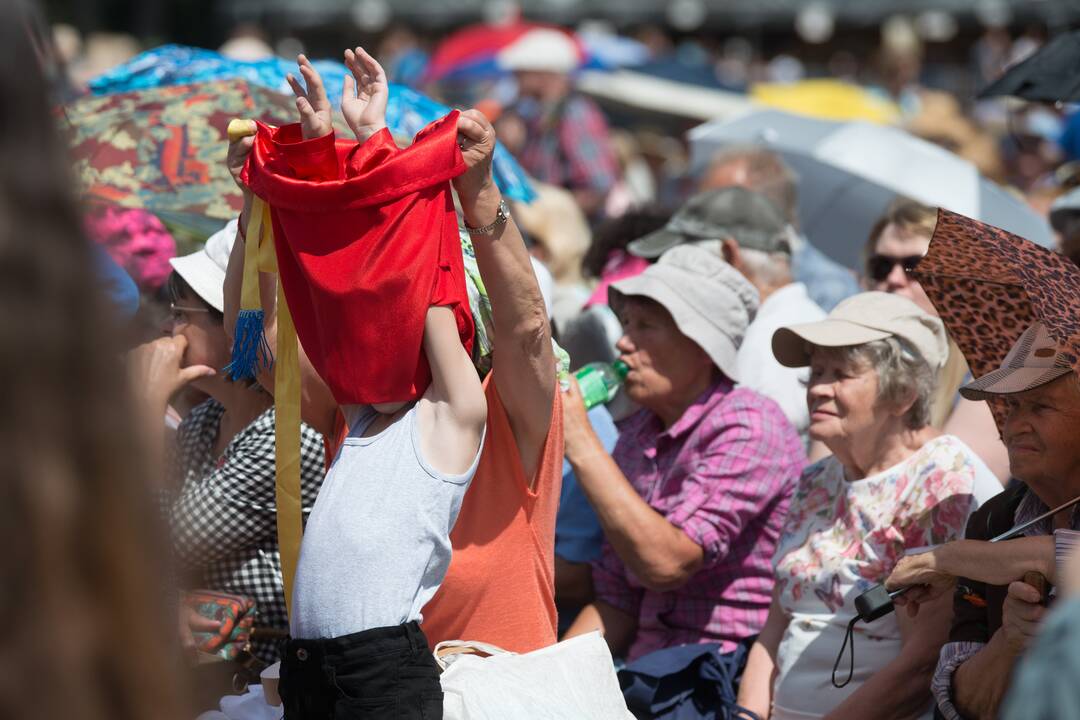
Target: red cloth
x: 367, y: 241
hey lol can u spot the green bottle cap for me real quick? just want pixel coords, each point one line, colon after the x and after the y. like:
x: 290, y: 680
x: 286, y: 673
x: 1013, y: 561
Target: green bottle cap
x: 620, y: 368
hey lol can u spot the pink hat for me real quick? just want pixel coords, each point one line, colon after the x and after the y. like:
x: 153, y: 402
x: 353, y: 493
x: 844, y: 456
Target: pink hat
x: 136, y: 240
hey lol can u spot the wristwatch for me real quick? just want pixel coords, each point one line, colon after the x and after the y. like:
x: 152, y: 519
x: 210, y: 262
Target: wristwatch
x: 501, y: 216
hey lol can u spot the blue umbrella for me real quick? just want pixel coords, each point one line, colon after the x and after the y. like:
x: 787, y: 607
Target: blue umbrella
x: 407, y: 111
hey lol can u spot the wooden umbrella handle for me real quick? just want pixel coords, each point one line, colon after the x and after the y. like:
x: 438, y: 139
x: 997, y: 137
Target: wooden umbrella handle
x: 1038, y: 581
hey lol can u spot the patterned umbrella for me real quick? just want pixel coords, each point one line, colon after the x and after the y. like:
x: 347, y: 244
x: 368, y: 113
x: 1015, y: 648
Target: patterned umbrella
x: 989, y: 286
x: 163, y: 149
x: 407, y: 111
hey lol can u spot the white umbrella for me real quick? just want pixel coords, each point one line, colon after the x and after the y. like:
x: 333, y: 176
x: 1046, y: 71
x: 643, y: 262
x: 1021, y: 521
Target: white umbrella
x: 850, y: 172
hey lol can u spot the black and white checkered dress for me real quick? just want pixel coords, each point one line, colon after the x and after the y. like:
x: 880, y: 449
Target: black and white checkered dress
x: 224, y: 517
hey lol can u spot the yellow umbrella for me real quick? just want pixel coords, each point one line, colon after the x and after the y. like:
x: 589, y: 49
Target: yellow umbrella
x: 827, y: 99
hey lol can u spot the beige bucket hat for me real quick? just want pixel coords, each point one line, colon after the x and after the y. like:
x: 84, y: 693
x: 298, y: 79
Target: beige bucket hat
x: 710, y: 301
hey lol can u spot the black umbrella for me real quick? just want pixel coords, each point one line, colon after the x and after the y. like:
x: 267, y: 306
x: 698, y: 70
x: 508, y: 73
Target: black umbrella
x: 1050, y: 75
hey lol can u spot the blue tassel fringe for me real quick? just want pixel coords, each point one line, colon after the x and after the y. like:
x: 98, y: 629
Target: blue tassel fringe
x: 250, y: 352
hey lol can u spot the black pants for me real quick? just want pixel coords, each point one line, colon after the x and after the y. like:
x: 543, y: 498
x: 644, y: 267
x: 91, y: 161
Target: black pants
x: 384, y: 673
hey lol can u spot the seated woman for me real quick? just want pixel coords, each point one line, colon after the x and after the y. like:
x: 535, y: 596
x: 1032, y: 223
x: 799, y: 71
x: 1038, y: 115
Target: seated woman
x: 892, y: 484
x: 693, y: 497
x: 221, y: 505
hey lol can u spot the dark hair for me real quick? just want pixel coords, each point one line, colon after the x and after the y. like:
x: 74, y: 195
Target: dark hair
x: 179, y: 291
x: 617, y: 233
x: 86, y: 626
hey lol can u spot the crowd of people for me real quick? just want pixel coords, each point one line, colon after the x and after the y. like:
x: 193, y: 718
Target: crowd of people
x: 378, y: 349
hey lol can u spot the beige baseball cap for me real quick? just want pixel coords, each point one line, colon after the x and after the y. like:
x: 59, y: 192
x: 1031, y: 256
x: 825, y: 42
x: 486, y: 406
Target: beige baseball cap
x: 1034, y: 360
x: 861, y: 319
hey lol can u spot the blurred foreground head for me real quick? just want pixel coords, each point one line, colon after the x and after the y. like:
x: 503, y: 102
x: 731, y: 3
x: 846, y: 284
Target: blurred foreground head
x: 82, y: 607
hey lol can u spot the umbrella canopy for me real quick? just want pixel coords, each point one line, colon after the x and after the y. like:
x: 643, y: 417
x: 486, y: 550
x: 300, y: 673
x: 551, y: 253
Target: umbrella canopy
x: 407, y: 111
x: 472, y: 51
x: 1049, y: 75
x: 827, y: 99
x: 850, y: 172
x: 163, y: 149
x: 989, y: 286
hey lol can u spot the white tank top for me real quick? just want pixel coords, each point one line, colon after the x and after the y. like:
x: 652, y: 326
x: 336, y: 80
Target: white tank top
x: 377, y: 543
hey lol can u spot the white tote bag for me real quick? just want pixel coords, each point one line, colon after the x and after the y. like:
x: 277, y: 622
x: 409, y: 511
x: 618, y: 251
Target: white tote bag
x: 571, y: 680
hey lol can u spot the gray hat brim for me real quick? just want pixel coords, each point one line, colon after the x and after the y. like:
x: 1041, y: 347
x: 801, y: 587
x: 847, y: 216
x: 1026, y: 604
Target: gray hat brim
x: 1009, y: 381
x: 791, y: 345
x: 717, y: 345
x: 656, y: 243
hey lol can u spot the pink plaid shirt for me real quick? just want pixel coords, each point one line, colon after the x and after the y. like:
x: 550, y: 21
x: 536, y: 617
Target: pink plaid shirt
x: 723, y: 473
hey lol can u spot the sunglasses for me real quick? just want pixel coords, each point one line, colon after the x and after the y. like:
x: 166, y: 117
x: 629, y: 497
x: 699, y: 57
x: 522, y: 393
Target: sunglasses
x: 879, y: 266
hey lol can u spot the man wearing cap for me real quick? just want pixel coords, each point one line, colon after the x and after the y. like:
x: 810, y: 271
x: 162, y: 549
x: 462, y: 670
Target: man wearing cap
x: 746, y: 230
x: 693, y: 497
x: 995, y: 613
x: 564, y: 138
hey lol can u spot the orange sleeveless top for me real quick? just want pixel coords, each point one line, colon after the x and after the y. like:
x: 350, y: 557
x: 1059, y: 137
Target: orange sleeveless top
x: 500, y: 588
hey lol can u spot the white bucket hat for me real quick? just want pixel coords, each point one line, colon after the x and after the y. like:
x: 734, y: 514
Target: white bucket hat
x: 861, y: 319
x: 710, y: 301
x: 542, y: 49
x: 1033, y: 361
x: 204, y: 270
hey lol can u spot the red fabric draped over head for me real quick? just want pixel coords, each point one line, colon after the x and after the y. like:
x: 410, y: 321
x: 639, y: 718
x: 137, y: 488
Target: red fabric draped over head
x: 367, y: 240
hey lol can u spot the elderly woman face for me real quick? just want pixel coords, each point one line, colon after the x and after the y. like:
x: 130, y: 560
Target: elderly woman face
x: 663, y: 362
x: 841, y: 395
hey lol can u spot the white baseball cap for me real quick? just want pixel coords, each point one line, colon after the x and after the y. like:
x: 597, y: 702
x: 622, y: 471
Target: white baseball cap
x: 1034, y: 360
x: 204, y: 270
x: 861, y: 319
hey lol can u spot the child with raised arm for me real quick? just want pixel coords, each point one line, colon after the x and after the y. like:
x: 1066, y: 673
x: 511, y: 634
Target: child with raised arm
x: 369, y: 259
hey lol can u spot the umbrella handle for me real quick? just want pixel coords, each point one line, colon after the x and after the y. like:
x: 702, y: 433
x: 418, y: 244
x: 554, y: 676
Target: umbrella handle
x: 1037, y: 581
x: 240, y: 128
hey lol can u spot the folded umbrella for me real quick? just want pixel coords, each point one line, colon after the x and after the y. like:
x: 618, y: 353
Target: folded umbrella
x: 989, y: 286
x: 849, y: 173
x: 1049, y: 75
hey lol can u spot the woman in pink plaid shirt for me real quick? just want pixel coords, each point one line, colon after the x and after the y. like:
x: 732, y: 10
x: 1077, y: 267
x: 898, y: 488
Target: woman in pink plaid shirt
x: 693, y: 498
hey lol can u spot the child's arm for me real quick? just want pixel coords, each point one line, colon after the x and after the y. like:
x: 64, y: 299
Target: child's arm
x: 452, y: 420
x: 364, y: 97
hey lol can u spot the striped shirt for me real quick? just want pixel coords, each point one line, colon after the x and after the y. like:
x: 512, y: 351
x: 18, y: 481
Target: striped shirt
x: 723, y: 473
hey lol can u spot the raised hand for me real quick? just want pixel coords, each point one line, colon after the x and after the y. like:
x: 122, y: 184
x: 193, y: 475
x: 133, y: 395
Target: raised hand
x: 476, y: 138
x: 363, y: 99
x: 316, y: 115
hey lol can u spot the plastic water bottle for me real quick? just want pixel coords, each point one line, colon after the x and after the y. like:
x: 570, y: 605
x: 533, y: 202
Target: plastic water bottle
x: 599, y: 381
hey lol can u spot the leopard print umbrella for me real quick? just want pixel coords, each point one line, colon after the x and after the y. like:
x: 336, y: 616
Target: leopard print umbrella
x: 989, y: 286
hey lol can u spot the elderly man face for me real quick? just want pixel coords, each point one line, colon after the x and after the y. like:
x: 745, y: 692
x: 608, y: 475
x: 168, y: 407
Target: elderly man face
x: 1041, y: 433
x: 663, y: 362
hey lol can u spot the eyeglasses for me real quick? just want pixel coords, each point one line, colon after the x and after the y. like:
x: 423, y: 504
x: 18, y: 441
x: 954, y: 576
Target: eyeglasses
x: 879, y: 266
x: 179, y: 313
